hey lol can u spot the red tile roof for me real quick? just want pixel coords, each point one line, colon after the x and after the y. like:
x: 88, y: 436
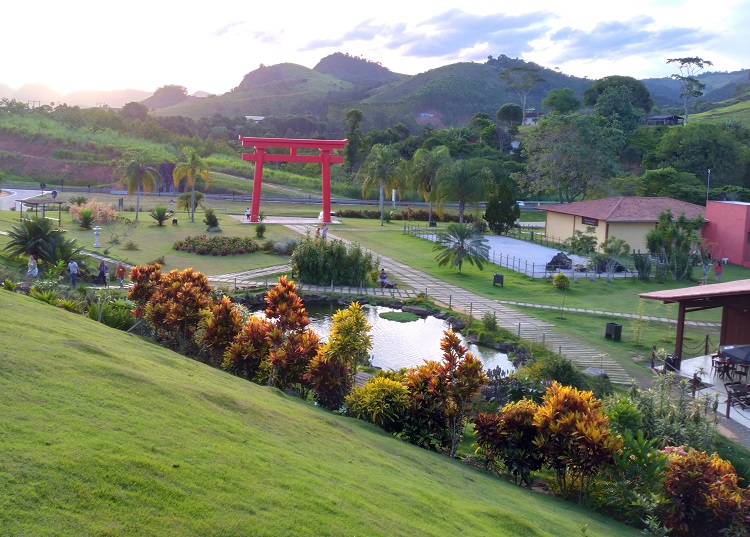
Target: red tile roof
x: 627, y: 209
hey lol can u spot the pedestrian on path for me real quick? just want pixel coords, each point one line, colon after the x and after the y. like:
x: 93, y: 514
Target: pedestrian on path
x: 103, y: 274
x: 32, y: 269
x: 324, y: 230
x: 718, y: 269
x: 121, y: 274
x: 73, y: 269
x: 247, y: 214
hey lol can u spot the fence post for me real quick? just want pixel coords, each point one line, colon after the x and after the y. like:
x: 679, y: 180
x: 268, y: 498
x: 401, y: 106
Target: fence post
x: 471, y: 309
x: 543, y: 339
x: 450, y: 302
x: 706, y: 353
x: 519, y: 329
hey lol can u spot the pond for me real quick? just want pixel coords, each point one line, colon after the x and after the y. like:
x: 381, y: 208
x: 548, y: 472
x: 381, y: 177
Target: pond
x: 397, y: 345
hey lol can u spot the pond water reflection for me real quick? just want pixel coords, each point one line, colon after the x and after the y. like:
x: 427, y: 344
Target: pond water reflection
x: 397, y: 345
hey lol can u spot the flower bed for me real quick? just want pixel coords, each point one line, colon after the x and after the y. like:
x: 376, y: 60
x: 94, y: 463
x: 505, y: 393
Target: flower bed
x: 203, y: 245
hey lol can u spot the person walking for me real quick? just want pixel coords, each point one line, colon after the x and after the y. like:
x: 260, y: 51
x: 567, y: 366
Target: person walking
x: 73, y: 269
x: 120, y: 273
x: 247, y: 214
x: 32, y: 269
x: 324, y: 230
x: 718, y: 269
x: 103, y: 274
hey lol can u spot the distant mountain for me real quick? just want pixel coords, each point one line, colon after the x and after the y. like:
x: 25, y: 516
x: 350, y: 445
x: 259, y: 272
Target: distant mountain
x: 339, y: 82
x: 39, y: 94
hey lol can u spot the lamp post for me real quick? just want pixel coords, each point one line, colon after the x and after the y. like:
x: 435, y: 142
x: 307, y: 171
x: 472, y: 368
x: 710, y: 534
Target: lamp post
x: 708, y: 183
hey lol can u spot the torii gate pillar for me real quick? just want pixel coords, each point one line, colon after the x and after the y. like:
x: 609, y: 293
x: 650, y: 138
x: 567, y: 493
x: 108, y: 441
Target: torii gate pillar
x: 260, y: 156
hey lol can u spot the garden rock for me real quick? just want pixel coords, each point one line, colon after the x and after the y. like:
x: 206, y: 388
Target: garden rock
x: 417, y: 310
x: 560, y: 261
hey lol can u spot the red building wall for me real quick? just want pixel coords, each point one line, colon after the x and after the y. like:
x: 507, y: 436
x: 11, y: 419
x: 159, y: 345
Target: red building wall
x: 728, y: 228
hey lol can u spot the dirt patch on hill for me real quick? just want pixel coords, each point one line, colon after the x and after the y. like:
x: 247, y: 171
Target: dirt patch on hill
x: 35, y: 159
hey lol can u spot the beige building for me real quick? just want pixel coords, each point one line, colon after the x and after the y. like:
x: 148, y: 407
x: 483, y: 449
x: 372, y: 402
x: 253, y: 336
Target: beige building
x: 627, y: 218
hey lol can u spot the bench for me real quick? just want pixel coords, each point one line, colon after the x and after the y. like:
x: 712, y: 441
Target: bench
x: 497, y: 278
x: 387, y: 284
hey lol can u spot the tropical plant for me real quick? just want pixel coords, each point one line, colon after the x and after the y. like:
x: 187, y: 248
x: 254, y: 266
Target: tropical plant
x: 28, y: 236
x: 322, y: 262
x: 178, y: 303
x: 101, y: 213
x: 382, y: 401
x: 424, y: 168
x: 77, y: 200
x: 260, y: 230
x: 247, y: 356
x: 675, y: 240
x: 189, y: 201
x: 348, y: 345
x: 136, y: 174
x: 561, y: 281
x: 86, y: 218
x: 145, y: 279
x: 574, y: 438
x: 462, y: 181
x: 218, y: 328
x: 704, y: 494
x: 160, y: 213
x: 191, y: 166
x: 509, y: 437
x: 459, y: 243
x: 614, y: 250
x: 378, y: 170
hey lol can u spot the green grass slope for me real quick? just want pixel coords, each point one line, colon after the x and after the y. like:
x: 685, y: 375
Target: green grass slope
x: 735, y: 113
x: 106, y: 434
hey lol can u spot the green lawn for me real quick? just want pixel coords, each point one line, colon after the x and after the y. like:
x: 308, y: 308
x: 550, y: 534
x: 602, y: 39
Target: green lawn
x: 108, y: 434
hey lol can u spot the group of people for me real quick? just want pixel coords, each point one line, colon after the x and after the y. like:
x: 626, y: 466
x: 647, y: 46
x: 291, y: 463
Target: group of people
x: 103, y: 275
x: 322, y: 231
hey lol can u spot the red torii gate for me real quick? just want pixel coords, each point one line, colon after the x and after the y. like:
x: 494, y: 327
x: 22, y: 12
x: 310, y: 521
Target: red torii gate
x: 260, y: 157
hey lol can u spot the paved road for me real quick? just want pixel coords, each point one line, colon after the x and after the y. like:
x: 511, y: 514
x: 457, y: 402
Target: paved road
x: 9, y: 201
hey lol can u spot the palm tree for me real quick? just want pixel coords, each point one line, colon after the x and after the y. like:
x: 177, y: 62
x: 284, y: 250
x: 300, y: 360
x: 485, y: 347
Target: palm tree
x: 137, y: 175
x: 191, y: 166
x: 425, y: 166
x: 377, y: 169
x: 29, y: 236
x: 462, y: 242
x: 462, y: 181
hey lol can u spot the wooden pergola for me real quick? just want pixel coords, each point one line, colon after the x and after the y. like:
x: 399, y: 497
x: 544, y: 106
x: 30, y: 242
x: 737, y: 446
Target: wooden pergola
x: 35, y: 203
x: 732, y: 297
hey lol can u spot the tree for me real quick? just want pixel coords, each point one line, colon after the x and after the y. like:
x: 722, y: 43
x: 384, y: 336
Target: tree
x: 639, y: 94
x: 462, y: 181
x: 690, y: 86
x: 136, y: 174
x: 502, y: 209
x: 614, y: 250
x: 562, y: 100
x: 616, y: 107
x: 355, y: 139
x: 675, y: 241
x: 511, y: 113
x: 134, y: 110
x: 522, y: 80
x: 191, y: 167
x: 28, y: 236
x: 462, y: 242
x: 378, y: 169
x: 426, y: 164
x: 699, y: 147
x: 570, y: 154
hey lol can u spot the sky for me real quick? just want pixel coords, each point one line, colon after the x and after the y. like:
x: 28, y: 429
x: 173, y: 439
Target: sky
x: 210, y: 46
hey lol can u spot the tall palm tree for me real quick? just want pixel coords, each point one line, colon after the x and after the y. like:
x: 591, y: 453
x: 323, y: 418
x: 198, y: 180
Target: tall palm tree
x: 378, y: 169
x: 462, y: 242
x: 425, y: 165
x: 462, y: 181
x: 191, y: 166
x: 136, y: 174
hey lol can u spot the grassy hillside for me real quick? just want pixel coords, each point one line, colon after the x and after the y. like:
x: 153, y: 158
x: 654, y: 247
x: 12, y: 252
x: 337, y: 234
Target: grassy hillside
x: 107, y: 434
x: 738, y: 112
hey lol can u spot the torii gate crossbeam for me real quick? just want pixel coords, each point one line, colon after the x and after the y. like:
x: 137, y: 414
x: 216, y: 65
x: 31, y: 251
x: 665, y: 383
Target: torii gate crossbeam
x: 260, y: 156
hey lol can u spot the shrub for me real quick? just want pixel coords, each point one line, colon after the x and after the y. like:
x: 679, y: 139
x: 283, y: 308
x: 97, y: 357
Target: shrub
x: 130, y: 246
x: 77, y: 200
x: 203, y: 245
x: 489, y: 319
x: 100, y: 212
x: 561, y: 281
x: 381, y: 401
x: 114, y: 313
x: 320, y: 262
x: 211, y: 220
x: 704, y: 495
x: 260, y: 230
x: 85, y: 218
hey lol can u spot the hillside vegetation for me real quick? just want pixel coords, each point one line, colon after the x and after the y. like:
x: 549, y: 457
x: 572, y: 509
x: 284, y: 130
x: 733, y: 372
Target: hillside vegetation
x: 105, y: 433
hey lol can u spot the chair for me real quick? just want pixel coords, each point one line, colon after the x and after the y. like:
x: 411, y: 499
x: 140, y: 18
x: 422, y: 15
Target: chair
x: 740, y: 373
